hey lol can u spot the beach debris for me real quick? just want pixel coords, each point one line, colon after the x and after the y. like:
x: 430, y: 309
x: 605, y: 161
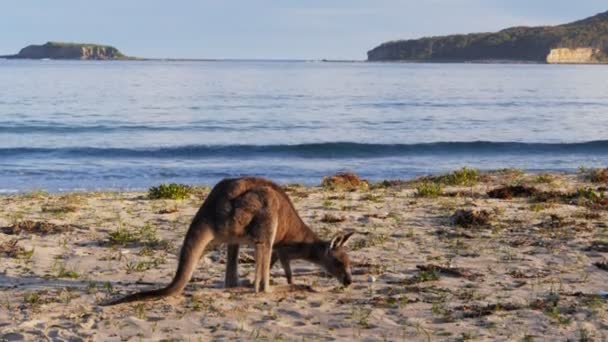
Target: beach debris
x: 529, y: 273
x: 511, y: 191
x: 376, y: 215
x: 454, y: 234
x: 601, y: 265
x: 169, y: 210
x: 473, y: 311
x: 470, y: 218
x: 330, y: 218
x: 11, y: 249
x: 36, y: 227
x: 345, y: 181
x: 553, y: 196
x: 390, y: 183
x: 458, y: 272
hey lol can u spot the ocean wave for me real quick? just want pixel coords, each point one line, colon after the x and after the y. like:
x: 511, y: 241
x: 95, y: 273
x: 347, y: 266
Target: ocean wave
x: 75, y: 129
x: 96, y: 129
x: 336, y: 150
x: 480, y: 104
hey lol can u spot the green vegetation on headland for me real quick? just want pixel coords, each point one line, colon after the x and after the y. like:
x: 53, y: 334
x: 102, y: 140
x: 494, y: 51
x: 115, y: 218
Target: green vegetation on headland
x: 583, y: 41
x: 59, y: 50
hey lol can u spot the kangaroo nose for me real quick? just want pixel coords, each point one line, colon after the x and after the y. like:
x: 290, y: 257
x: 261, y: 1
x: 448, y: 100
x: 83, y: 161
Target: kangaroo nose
x: 347, y: 280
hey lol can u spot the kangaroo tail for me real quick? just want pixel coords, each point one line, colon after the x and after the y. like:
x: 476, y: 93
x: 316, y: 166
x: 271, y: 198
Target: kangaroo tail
x: 144, y: 295
x: 197, y: 238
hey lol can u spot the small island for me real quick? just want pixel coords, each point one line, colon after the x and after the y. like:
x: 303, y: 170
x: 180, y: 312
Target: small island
x: 79, y: 51
x: 580, y: 42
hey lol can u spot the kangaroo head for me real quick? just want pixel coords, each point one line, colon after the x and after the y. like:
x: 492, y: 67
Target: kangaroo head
x: 336, y: 261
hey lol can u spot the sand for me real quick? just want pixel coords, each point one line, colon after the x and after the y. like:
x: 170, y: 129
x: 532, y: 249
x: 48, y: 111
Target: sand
x: 530, y: 269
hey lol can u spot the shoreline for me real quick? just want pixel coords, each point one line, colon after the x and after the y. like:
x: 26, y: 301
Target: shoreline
x: 316, y: 184
x: 461, y: 255
x: 320, y: 60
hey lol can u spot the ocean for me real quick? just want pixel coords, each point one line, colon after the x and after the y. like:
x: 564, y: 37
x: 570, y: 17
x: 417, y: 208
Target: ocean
x: 85, y: 125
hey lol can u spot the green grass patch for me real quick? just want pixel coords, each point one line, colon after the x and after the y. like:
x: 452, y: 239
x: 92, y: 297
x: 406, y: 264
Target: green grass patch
x: 544, y: 178
x: 32, y: 298
x: 428, y: 189
x: 537, y: 207
x: 64, y: 272
x: 464, y: 176
x: 172, y: 191
x: 122, y: 236
x: 589, y: 195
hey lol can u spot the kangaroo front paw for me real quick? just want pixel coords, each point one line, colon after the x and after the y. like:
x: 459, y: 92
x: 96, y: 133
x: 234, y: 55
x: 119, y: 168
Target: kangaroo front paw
x: 261, y: 288
x: 232, y: 282
x: 265, y: 288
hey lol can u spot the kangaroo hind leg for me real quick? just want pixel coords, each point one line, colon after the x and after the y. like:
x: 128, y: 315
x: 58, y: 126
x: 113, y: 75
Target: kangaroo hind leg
x: 232, y: 264
x: 263, y: 254
x: 286, y: 267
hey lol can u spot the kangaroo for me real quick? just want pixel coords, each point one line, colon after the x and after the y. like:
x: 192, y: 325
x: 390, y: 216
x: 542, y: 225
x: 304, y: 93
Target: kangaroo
x: 253, y: 211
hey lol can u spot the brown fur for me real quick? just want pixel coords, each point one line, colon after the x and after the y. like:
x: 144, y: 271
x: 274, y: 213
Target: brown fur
x: 257, y: 212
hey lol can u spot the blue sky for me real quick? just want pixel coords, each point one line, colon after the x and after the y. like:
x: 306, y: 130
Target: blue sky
x: 305, y: 29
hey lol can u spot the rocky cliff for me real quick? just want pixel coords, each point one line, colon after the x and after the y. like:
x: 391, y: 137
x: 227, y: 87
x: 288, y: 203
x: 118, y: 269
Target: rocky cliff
x: 55, y: 50
x: 584, y: 41
x: 574, y: 56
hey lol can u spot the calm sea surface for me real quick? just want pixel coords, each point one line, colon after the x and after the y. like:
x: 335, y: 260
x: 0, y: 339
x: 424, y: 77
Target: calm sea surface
x: 68, y: 125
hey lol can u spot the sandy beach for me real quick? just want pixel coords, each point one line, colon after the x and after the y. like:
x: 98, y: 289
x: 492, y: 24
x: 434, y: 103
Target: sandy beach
x: 444, y: 258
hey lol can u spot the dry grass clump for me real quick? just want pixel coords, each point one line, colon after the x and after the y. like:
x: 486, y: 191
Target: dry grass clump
x: 59, y: 209
x: 67, y: 203
x: 10, y: 249
x: 199, y: 191
x: 511, y: 191
x: 390, y: 183
x: 598, y: 175
x: 36, y: 227
x: 470, y: 218
x: 345, y: 181
x: 555, y: 221
x: 329, y: 218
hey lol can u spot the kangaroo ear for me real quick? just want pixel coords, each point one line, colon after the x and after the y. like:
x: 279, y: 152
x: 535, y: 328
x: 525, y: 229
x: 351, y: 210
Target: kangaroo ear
x: 335, y: 242
x: 340, y: 240
x: 345, y: 239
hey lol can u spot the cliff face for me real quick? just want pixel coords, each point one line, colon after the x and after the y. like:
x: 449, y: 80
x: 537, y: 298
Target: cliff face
x: 574, y: 56
x: 54, y: 50
x: 571, y: 42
